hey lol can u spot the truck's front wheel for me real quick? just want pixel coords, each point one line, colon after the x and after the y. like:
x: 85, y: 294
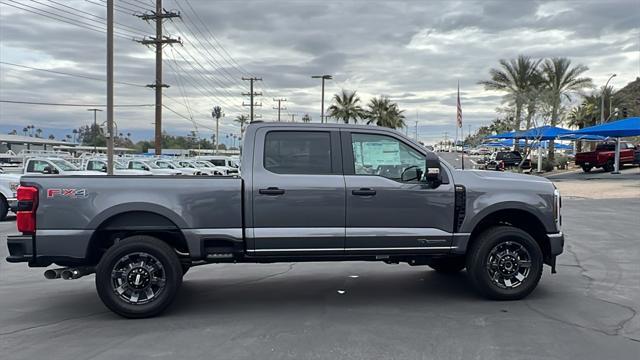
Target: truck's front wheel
x: 138, y: 277
x: 504, y: 263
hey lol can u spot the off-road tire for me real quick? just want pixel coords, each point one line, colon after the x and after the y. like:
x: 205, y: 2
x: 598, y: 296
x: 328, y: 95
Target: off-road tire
x: 172, y: 273
x: 478, y: 262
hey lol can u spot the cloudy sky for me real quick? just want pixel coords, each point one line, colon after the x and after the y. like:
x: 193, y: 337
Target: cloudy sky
x: 415, y: 52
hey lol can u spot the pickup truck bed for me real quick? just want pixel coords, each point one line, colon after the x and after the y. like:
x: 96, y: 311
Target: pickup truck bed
x: 308, y: 192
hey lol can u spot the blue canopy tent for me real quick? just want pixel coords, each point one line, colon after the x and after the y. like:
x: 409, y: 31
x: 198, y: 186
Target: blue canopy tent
x: 615, y: 129
x: 541, y: 133
x: 571, y: 136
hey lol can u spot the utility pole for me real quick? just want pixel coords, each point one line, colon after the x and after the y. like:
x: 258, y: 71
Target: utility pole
x: 95, y: 128
x: 323, y: 77
x: 251, y: 94
x: 159, y: 41
x: 604, y: 90
x: 279, y: 108
x: 416, y: 130
x: 109, y: 88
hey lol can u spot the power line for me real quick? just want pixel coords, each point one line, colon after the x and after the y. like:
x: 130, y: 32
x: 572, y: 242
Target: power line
x: 68, y: 74
x: 61, y: 18
x: 96, y: 16
x: 62, y: 104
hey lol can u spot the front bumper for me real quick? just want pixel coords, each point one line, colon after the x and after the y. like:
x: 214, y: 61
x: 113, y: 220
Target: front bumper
x: 556, y: 243
x: 20, y: 248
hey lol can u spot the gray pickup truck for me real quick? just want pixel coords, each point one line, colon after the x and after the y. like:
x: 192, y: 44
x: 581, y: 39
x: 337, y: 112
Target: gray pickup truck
x: 308, y: 192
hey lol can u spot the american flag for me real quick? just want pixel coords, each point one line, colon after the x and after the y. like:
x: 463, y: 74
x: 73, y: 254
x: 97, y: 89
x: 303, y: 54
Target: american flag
x: 459, y: 117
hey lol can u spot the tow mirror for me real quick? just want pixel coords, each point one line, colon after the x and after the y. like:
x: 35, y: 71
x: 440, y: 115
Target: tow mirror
x: 432, y: 175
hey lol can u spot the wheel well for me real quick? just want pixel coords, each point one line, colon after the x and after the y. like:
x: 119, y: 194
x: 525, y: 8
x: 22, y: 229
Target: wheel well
x: 521, y: 219
x: 131, y: 223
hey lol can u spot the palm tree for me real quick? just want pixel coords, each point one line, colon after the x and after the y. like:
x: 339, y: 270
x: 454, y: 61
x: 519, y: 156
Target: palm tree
x: 242, y: 120
x: 561, y: 80
x: 306, y: 118
x: 345, y: 107
x: 68, y: 137
x: 38, y: 132
x: 382, y: 112
x: 52, y: 137
x: 516, y: 77
x: 24, y: 131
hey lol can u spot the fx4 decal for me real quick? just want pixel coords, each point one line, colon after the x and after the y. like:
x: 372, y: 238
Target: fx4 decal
x: 67, y: 193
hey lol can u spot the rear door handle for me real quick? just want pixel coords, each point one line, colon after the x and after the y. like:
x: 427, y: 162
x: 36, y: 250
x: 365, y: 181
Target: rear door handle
x: 271, y: 191
x: 364, y: 192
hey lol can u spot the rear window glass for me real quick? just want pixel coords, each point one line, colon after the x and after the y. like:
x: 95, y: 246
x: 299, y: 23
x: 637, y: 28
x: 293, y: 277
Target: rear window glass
x: 298, y: 152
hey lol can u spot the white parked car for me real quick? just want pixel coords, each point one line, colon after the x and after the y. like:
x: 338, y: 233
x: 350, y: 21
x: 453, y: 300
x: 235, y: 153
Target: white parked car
x: 204, y: 170
x: 149, y: 165
x: 218, y: 170
x: 54, y: 166
x: 168, y: 164
x: 118, y: 168
x: 219, y: 160
x: 8, y: 186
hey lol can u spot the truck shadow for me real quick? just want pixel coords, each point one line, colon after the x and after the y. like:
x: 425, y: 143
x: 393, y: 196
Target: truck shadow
x: 411, y: 288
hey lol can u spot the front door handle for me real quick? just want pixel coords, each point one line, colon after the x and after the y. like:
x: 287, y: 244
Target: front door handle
x: 271, y: 191
x: 364, y: 192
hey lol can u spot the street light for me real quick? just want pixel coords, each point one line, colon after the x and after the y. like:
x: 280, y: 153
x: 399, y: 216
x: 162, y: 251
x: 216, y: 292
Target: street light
x: 602, y: 103
x: 323, y: 77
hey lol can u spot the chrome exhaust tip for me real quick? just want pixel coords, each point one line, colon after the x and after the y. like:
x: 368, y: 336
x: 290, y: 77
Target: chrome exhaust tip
x: 53, y: 273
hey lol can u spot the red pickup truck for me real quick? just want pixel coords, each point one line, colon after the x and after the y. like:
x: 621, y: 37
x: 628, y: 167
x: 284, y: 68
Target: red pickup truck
x: 604, y: 156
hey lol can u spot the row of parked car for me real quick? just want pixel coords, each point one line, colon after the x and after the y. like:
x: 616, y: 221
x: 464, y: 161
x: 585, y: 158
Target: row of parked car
x: 132, y: 166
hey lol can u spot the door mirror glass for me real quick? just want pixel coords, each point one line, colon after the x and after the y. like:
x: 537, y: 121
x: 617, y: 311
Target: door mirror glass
x: 47, y: 170
x: 433, y: 177
x: 413, y: 173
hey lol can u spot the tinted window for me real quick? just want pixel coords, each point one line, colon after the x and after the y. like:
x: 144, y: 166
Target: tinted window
x: 217, y: 162
x: 384, y: 156
x: 298, y: 152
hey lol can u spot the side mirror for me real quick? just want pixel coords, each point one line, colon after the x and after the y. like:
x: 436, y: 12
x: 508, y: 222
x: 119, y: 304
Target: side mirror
x: 103, y: 169
x: 47, y: 170
x: 412, y: 173
x: 146, y: 168
x: 432, y: 166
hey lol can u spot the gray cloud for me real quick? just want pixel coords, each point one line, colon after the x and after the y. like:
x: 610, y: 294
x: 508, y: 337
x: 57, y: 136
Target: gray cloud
x: 415, y: 52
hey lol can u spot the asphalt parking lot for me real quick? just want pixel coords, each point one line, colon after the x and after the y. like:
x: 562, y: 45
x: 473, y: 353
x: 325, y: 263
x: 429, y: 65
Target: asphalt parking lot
x: 350, y: 310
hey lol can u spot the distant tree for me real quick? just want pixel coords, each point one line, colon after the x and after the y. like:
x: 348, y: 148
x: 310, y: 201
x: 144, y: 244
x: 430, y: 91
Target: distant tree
x: 24, y: 131
x: 242, y: 120
x: 68, y: 137
x: 13, y: 132
x: 561, y: 80
x: 382, y: 112
x: 306, y: 118
x: 517, y: 78
x: 51, y: 137
x: 346, y: 107
x: 91, y: 135
x: 38, y: 132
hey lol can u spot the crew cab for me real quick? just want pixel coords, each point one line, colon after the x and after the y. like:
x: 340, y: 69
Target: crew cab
x: 8, y: 186
x: 54, y: 166
x: 308, y: 192
x: 118, y: 168
x: 604, y: 156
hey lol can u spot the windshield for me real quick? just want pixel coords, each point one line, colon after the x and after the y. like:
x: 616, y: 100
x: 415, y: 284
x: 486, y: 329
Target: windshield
x: 186, y: 164
x: 151, y: 165
x: 204, y: 164
x: 64, y: 165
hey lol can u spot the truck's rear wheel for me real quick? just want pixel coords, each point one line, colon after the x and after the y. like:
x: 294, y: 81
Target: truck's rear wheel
x: 504, y: 263
x: 448, y: 265
x: 138, y: 277
x: 609, y: 166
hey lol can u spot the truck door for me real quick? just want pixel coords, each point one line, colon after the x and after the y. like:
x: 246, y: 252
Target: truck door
x: 388, y: 209
x: 298, y: 195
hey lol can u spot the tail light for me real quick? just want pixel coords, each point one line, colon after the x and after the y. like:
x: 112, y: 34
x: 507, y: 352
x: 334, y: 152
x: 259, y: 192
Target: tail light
x: 26, y: 210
